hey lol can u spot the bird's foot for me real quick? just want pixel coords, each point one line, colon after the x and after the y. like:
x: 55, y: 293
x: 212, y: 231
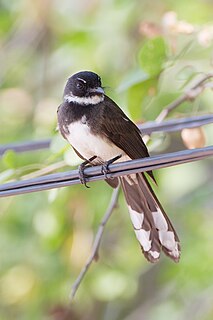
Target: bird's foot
x: 105, y: 167
x: 81, y: 168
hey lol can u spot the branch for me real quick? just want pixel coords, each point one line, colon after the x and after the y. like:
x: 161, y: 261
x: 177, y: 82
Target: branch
x: 94, y: 254
x: 189, y: 95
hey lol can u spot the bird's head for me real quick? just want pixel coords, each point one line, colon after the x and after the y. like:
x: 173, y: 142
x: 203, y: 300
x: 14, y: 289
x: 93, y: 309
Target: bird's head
x: 84, y: 88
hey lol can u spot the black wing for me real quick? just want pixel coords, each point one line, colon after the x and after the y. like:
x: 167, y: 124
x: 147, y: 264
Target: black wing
x: 122, y: 131
x: 61, y: 127
x: 119, y: 129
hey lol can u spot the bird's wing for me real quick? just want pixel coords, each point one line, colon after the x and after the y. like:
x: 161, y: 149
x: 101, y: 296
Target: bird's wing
x: 62, y: 128
x: 119, y: 129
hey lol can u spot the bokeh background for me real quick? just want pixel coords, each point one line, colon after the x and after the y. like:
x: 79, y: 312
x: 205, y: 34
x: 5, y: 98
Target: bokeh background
x: 146, y: 52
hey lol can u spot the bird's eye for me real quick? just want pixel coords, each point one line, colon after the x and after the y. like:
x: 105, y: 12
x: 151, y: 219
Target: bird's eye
x: 79, y: 85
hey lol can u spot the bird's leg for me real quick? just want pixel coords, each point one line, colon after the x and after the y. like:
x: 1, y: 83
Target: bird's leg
x: 81, y: 168
x: 105, y: 167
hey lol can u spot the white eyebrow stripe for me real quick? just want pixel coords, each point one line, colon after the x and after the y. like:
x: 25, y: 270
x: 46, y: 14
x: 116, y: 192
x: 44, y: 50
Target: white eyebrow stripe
x: 84, y: 81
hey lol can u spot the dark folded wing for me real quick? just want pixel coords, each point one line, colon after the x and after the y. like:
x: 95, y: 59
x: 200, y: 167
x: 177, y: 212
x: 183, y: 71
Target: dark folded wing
x: 60, y: 117
x: 119, y: 129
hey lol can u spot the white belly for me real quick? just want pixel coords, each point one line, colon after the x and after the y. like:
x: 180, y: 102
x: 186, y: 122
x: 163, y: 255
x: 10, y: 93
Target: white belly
x: 89, y: 145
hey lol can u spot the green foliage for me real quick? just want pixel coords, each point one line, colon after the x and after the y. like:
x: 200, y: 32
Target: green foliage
x: 9, y: 159
x: 152, y: 56
x: 137, y: 95
x: 143, y: 85
x: 150, y: 53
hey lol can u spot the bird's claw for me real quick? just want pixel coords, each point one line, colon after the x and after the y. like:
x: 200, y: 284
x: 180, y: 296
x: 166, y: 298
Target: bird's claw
x: 105, y: 167
x: 105, y: 170
x: 81, y: 173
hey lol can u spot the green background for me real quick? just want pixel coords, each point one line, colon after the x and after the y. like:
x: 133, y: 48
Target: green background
x: 146, y: 52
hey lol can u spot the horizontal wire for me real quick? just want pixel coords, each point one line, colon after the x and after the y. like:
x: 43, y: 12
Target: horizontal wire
x: 146, y: 128
x: 62, y: 179
x: 26, y: 146
x: 173, y: 125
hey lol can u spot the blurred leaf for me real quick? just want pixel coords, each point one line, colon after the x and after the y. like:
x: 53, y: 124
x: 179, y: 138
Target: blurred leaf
x: 136, y: 95
x: 186, y: 73
x: 71, y: 158
x: 153, y: 55
x: 58, y: 144
x: 159, y: 142
x: 76, y: 38
x: 5, y: 175
x: 132, y: 79
x: 18, y: 282
x: 181, y: 54
x: 112, y: 284
x: 188, y: 78
x: 10, y: 159
x: 52, y: 195
x: 5, y: 22
x: 58, y: 147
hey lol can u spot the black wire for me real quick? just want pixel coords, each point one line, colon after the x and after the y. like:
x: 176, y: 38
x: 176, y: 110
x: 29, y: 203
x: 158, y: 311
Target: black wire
x: 176, y: 124
x: 63, y: 179
x: 26, y: 146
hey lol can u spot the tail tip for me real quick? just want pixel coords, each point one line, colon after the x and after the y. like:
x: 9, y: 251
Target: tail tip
x: 154, y: 256
x: 174, y: 255
x: 151, y: 255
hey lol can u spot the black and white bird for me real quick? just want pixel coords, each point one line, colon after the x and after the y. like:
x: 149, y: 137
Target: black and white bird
x: 97, y: 128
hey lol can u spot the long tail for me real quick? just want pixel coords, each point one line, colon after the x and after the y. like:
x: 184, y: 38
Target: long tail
x: 152, y: 226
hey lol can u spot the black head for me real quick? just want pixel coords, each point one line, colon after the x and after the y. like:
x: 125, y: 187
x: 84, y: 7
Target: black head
x: 83, y: 84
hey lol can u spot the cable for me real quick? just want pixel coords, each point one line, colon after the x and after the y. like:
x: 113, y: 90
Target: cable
x: 62, y: 179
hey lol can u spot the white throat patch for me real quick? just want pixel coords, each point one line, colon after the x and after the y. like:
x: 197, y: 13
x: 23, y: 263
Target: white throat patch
x: 84, y: 100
